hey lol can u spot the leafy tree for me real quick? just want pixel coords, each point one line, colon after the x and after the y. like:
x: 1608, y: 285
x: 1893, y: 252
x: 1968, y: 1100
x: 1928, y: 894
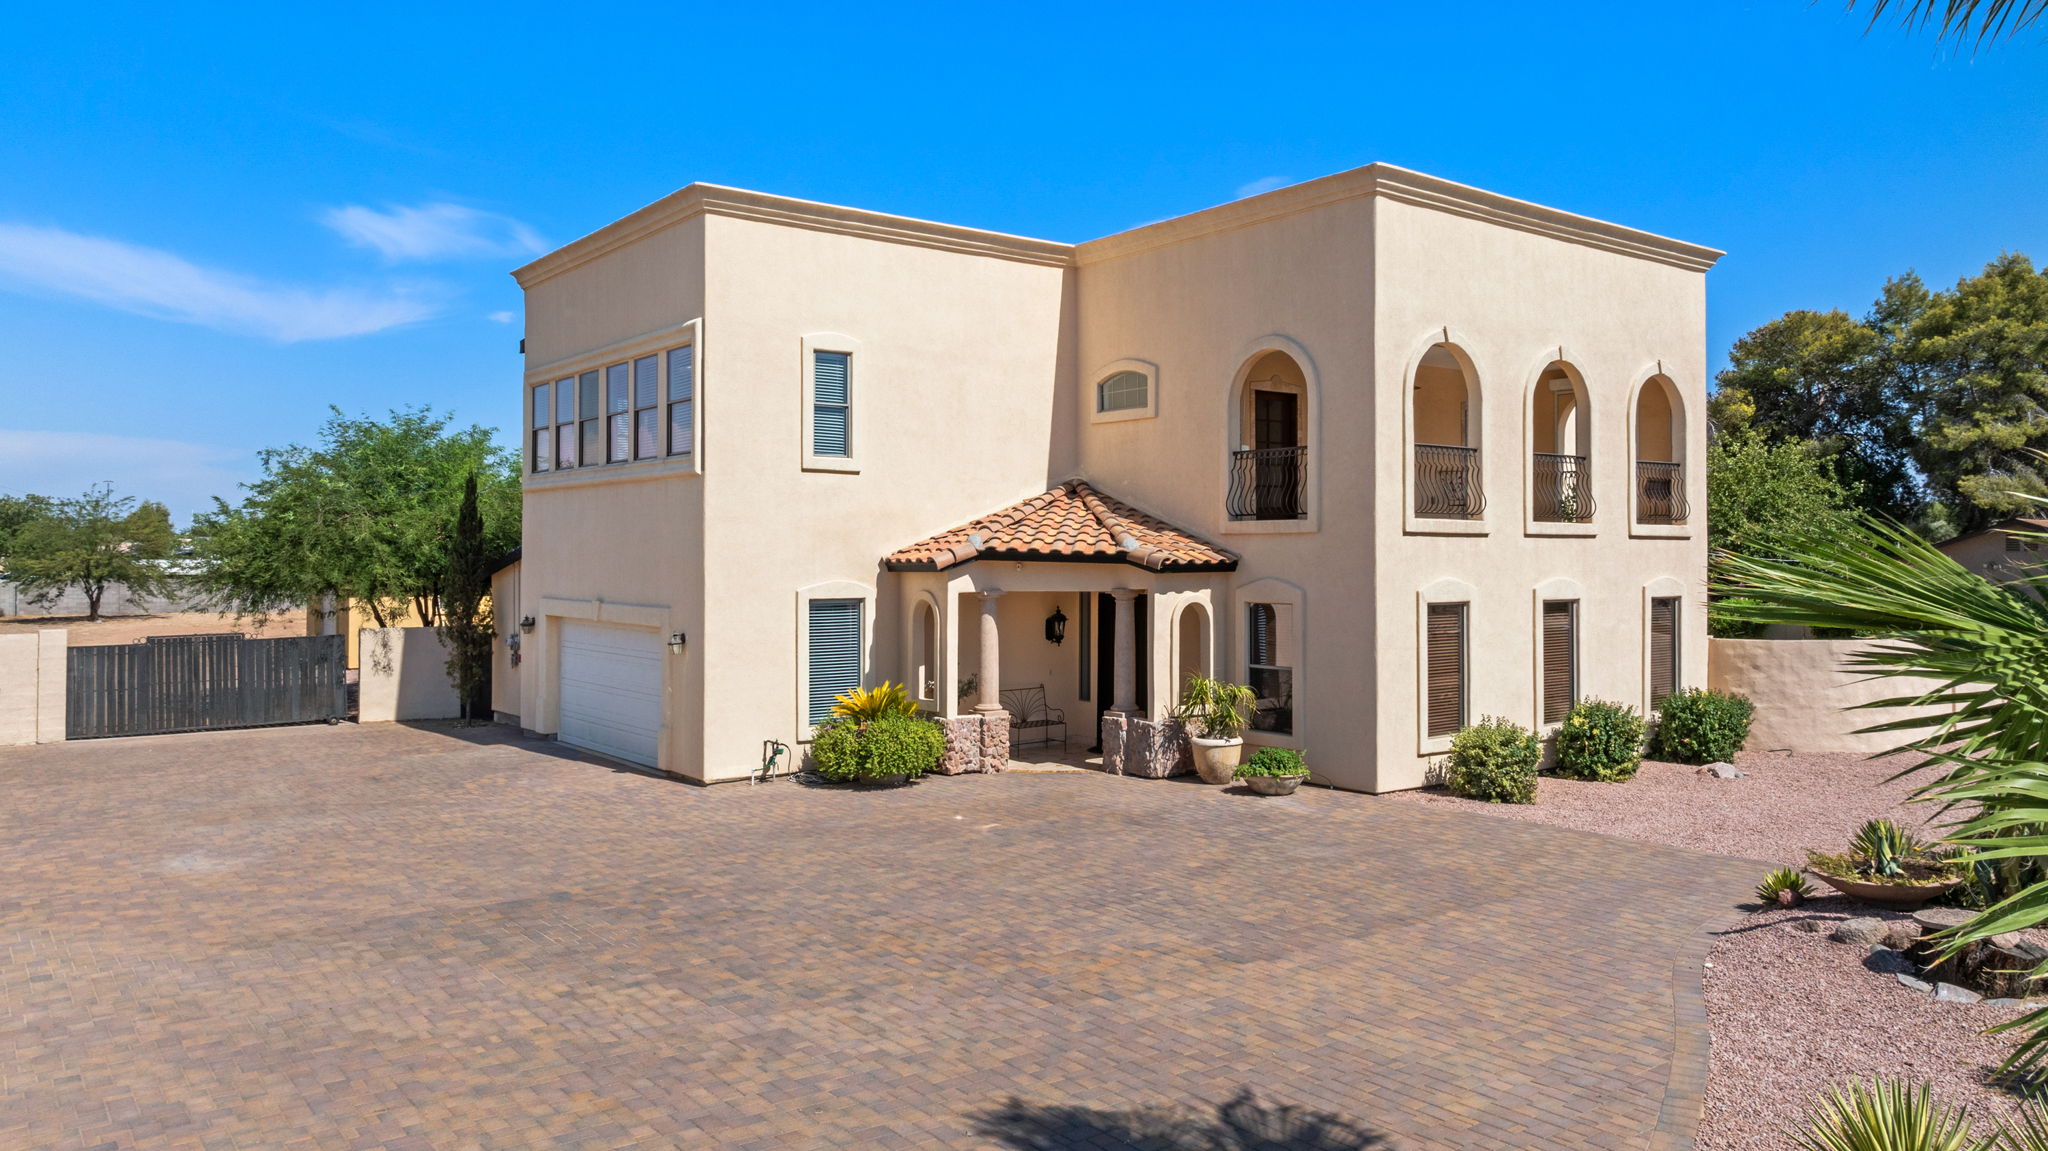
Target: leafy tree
x: 16, y: 512
x: 95, y: 542
x: 363, y: 516
x: 466, y: 626
x: 1760, y: 494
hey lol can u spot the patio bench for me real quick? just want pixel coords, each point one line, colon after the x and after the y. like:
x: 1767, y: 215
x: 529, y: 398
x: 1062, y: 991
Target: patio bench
x: 1028, y: 712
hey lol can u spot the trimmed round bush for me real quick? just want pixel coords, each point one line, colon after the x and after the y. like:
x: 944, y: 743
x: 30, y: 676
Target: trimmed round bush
x: 1278, y: 762
x: 1700, y: 726
x: 1600, y: 741
x: 1494, y: 760
x: 849, y: 752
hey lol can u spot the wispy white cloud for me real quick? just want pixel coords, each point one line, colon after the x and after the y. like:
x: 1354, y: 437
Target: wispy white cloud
x: 185, y: 476
x: 153, y: 282
x: 437, y: 231
x: 501, y: 317
x: 1262, y: 184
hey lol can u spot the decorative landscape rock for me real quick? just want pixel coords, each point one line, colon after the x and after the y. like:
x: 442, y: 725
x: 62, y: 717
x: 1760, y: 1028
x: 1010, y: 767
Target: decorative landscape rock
x: 1899, y: 934
x: 1886, y: 961
x: 1723, y: 771
x: 1813, y: 925
x: 1912, y: 984
x: 1950, y: 993
x: 1862, y: 931
x: 1933, y: 919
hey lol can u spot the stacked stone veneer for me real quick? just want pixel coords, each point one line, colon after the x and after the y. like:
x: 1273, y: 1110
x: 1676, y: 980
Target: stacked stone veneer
x: 975, y: 743
x: 1150, y: 749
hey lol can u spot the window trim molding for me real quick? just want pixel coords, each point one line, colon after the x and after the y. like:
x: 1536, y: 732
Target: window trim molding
x: 1663, y: 587
x: 1552, y: 590
x: 1681, y: 439
x: 1272, y: 590
x: 856, y: 392
x: 1235, y: 433
x: 1459, y: 346
x: 1145, y: 368
x: 831, y: 589
x: 692, y: 334
x: 1443, y: 591
x: 1583, y: 392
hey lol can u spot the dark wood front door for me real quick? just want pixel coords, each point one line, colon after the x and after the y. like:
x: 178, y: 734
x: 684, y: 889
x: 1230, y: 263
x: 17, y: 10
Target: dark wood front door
x: 1276, y: 419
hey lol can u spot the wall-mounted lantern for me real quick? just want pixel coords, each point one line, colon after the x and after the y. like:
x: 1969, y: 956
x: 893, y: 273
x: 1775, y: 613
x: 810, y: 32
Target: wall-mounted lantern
x: 675, y: 644
x: 1055, y: 626
x: 526, y: 624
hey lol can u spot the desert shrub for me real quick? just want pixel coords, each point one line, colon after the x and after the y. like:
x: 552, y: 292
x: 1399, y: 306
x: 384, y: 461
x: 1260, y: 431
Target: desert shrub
x: 1273, y: 761
x: 1785, y: 887
x: 1600, y: 741
x: 1700, y: 726
x: 850, y: 752
x: 1494, y: 760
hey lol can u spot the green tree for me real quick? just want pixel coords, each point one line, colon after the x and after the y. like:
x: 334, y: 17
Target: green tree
x: 95, y: 542
x: 16, y: 512
x: 1761, y: 494
x: 466, y: 627
x: 363, y: 517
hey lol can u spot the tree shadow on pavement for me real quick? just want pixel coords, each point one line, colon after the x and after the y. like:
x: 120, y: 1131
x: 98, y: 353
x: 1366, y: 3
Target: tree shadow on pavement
x: 1240, y: 1124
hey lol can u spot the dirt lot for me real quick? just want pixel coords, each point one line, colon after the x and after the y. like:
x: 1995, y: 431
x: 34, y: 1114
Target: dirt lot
x: 131, y: 628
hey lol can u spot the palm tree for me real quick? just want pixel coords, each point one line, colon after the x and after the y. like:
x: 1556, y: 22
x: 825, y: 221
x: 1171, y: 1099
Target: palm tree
x: 1957, y: 20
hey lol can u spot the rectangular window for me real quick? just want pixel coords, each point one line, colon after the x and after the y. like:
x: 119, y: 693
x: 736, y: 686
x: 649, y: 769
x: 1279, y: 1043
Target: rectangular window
x: 1270, y: 652
x: 682, y: 400
x: 1560, y: 658
x: 1663, y: 649
x: 1446, y: 679
x: 834, y: 655
x: 565, y: 422
x: 646, y: 407
x: 831, y: 404
x: 618, y: 411
x: 590, y: 428
x: 542, y: 439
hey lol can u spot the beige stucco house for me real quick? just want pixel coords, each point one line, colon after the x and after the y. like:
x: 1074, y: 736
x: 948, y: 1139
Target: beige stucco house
x: 1397, y: 452
x: 2003, y: 551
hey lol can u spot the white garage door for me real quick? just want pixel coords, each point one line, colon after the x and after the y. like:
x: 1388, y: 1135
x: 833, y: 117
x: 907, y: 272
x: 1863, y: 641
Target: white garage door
x: 611, y: 690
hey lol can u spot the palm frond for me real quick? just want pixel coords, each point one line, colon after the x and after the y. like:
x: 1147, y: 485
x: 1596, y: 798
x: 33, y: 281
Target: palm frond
x: 1956, y: 20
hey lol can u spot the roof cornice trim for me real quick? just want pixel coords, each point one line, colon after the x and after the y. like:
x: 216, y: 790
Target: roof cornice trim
x: 738, y: 203
x: 1403, y: 186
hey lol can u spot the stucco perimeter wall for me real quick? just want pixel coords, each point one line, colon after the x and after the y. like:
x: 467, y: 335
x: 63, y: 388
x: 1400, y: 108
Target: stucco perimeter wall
x: 960, y: 396
x: 1803, y: 696
x: 32, y: 668
x: 404, y: 676
x: 507, y: 650
x: 1512, y: 301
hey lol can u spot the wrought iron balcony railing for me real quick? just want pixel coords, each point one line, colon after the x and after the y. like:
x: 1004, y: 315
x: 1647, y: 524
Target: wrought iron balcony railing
x: 1563, y: 488
x: 1447, y: 482
x: 1268, y: 484
x: 1660, y: 493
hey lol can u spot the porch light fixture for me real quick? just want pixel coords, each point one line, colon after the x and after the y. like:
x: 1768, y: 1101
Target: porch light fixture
x: 1055, y: 626
x: 675, y: 644
x: 526, y: 624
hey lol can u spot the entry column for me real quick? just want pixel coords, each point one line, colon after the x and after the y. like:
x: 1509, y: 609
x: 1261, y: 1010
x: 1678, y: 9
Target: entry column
x: 991, y: 674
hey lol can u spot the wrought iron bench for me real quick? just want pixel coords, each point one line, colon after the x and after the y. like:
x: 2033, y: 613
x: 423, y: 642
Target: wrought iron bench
x: 1028, y: 711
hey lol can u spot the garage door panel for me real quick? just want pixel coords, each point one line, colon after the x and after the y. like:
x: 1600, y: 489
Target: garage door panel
x: 610, y: 690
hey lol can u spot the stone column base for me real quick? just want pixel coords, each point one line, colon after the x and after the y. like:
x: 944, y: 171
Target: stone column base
x: 978, y: 742
x: 1149, y: 749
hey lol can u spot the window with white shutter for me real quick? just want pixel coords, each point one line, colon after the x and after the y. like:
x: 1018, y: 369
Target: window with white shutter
x: 831, y: 404
x: 834, y: 646
x: 682, y: 400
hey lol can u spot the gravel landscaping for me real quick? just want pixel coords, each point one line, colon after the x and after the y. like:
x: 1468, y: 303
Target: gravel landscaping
x: 1791, y: 1011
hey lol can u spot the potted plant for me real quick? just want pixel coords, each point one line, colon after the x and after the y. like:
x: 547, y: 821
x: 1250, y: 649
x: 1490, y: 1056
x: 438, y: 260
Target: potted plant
x: 1273, y: 771
x: 1886, y: 865
x: 1215, y: 714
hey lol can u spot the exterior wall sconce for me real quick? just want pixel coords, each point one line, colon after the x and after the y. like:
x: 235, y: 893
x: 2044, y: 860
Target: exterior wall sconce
x: 1055, y: 626
x: 526, y: 624
x: 675, y: 644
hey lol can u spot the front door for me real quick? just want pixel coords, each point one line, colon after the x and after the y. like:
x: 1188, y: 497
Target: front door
x: 1276, y: 427
x: 1105, y: 656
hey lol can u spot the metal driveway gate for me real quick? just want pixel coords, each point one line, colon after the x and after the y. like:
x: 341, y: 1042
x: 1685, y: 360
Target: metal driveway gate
x: 204, y: 683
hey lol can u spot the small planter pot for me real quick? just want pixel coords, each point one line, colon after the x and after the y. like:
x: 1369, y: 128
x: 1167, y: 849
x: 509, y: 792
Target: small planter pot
x: 1274, y: 784
x: 1904, y: 896
x: 1216, y: 759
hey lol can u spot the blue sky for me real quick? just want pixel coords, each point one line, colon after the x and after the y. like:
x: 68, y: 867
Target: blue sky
x: 217, y: 220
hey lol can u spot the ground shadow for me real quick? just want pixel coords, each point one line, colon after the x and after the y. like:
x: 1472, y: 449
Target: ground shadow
x: 486, y: 734
x: 1240, y: 1124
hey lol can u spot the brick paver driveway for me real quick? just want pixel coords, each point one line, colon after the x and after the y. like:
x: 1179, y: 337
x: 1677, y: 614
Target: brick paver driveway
x: 362, y: 937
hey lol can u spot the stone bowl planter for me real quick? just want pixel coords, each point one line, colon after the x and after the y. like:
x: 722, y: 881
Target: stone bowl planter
x: 1273, y: 784
x: 1904, y: 896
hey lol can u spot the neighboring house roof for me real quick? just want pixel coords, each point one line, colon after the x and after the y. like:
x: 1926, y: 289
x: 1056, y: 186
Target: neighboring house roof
x: 2016, y: 524
x: 506, y: 560
x: 1072, y: 523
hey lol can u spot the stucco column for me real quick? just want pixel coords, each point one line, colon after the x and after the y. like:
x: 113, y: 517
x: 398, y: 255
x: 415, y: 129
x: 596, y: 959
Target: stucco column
x: 1125, y: 683
x: 991, y: 675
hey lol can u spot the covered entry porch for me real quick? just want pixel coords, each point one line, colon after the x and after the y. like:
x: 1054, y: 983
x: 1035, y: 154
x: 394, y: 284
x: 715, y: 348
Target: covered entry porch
x: 1068, y: 617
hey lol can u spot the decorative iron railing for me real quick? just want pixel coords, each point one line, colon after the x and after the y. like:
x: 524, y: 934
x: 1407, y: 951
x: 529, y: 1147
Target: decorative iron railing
x: 1660, y: 493
x: 1447, y: 482
x: 1268, y: 484
x: 1563, y: 488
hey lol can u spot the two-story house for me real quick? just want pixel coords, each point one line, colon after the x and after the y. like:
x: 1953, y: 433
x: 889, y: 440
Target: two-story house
x: 1395, y: 451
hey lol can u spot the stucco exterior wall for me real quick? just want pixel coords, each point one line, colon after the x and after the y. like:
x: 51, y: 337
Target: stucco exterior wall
x: 32, y: 686
x: 404, y: 676
x: 1513, y: 302
x: 1803, y: 696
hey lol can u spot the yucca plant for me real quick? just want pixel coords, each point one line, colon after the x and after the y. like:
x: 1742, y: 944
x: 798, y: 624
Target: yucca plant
x: 1887, y: 1115
x: 1982, y: 728
x: 1784, y: 887
x: 2028, y: 1133
x: 866, y: 705
x: 1886, y: 845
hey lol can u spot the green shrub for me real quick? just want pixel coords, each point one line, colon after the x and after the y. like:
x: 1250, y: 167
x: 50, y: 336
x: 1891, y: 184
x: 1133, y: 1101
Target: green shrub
x: 1600, y: 741
x: 1274, y: 761
x: 1494, y: 760
x: 849, y: 752
x: 1784, y: 887
x: 1886, y: 1115
x: 1700, y: 726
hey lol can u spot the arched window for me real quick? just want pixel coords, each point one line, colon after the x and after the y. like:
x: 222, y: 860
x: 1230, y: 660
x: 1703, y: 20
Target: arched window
x: 1269, y: 466
x: 1444, y: 428
x: 1126, y: 390
x: 1191, y: 643
x: 924, y: 652
x: 1659, y: 481
x: 1560, y: 448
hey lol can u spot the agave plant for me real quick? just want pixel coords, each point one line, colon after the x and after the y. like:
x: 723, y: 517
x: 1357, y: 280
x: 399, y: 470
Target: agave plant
x: 1887, y: 1115
x: 1784, y: 887
x: 865, y: 705
x: 1982, y: 728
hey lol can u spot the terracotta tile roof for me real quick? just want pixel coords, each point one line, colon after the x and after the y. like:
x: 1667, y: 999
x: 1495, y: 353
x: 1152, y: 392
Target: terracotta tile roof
x: 1072, y: 523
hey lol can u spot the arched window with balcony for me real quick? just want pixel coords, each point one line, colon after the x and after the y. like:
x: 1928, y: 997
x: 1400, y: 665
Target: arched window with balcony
x: 1444, y: 431
x: 1658, y: 490
x: 1269, y: 461
x: 1560, y: 447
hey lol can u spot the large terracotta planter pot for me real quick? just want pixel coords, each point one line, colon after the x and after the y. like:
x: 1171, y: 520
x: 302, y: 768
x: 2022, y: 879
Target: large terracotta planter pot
x: 1274, y: 784
x: 1216, y: 759
x: 1904, y: 896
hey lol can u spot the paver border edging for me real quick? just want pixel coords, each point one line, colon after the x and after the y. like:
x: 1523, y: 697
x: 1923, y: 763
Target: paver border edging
x: 1685, y: 1089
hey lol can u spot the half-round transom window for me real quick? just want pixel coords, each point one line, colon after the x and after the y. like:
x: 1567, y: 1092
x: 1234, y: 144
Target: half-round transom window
x: 1121, y: 392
